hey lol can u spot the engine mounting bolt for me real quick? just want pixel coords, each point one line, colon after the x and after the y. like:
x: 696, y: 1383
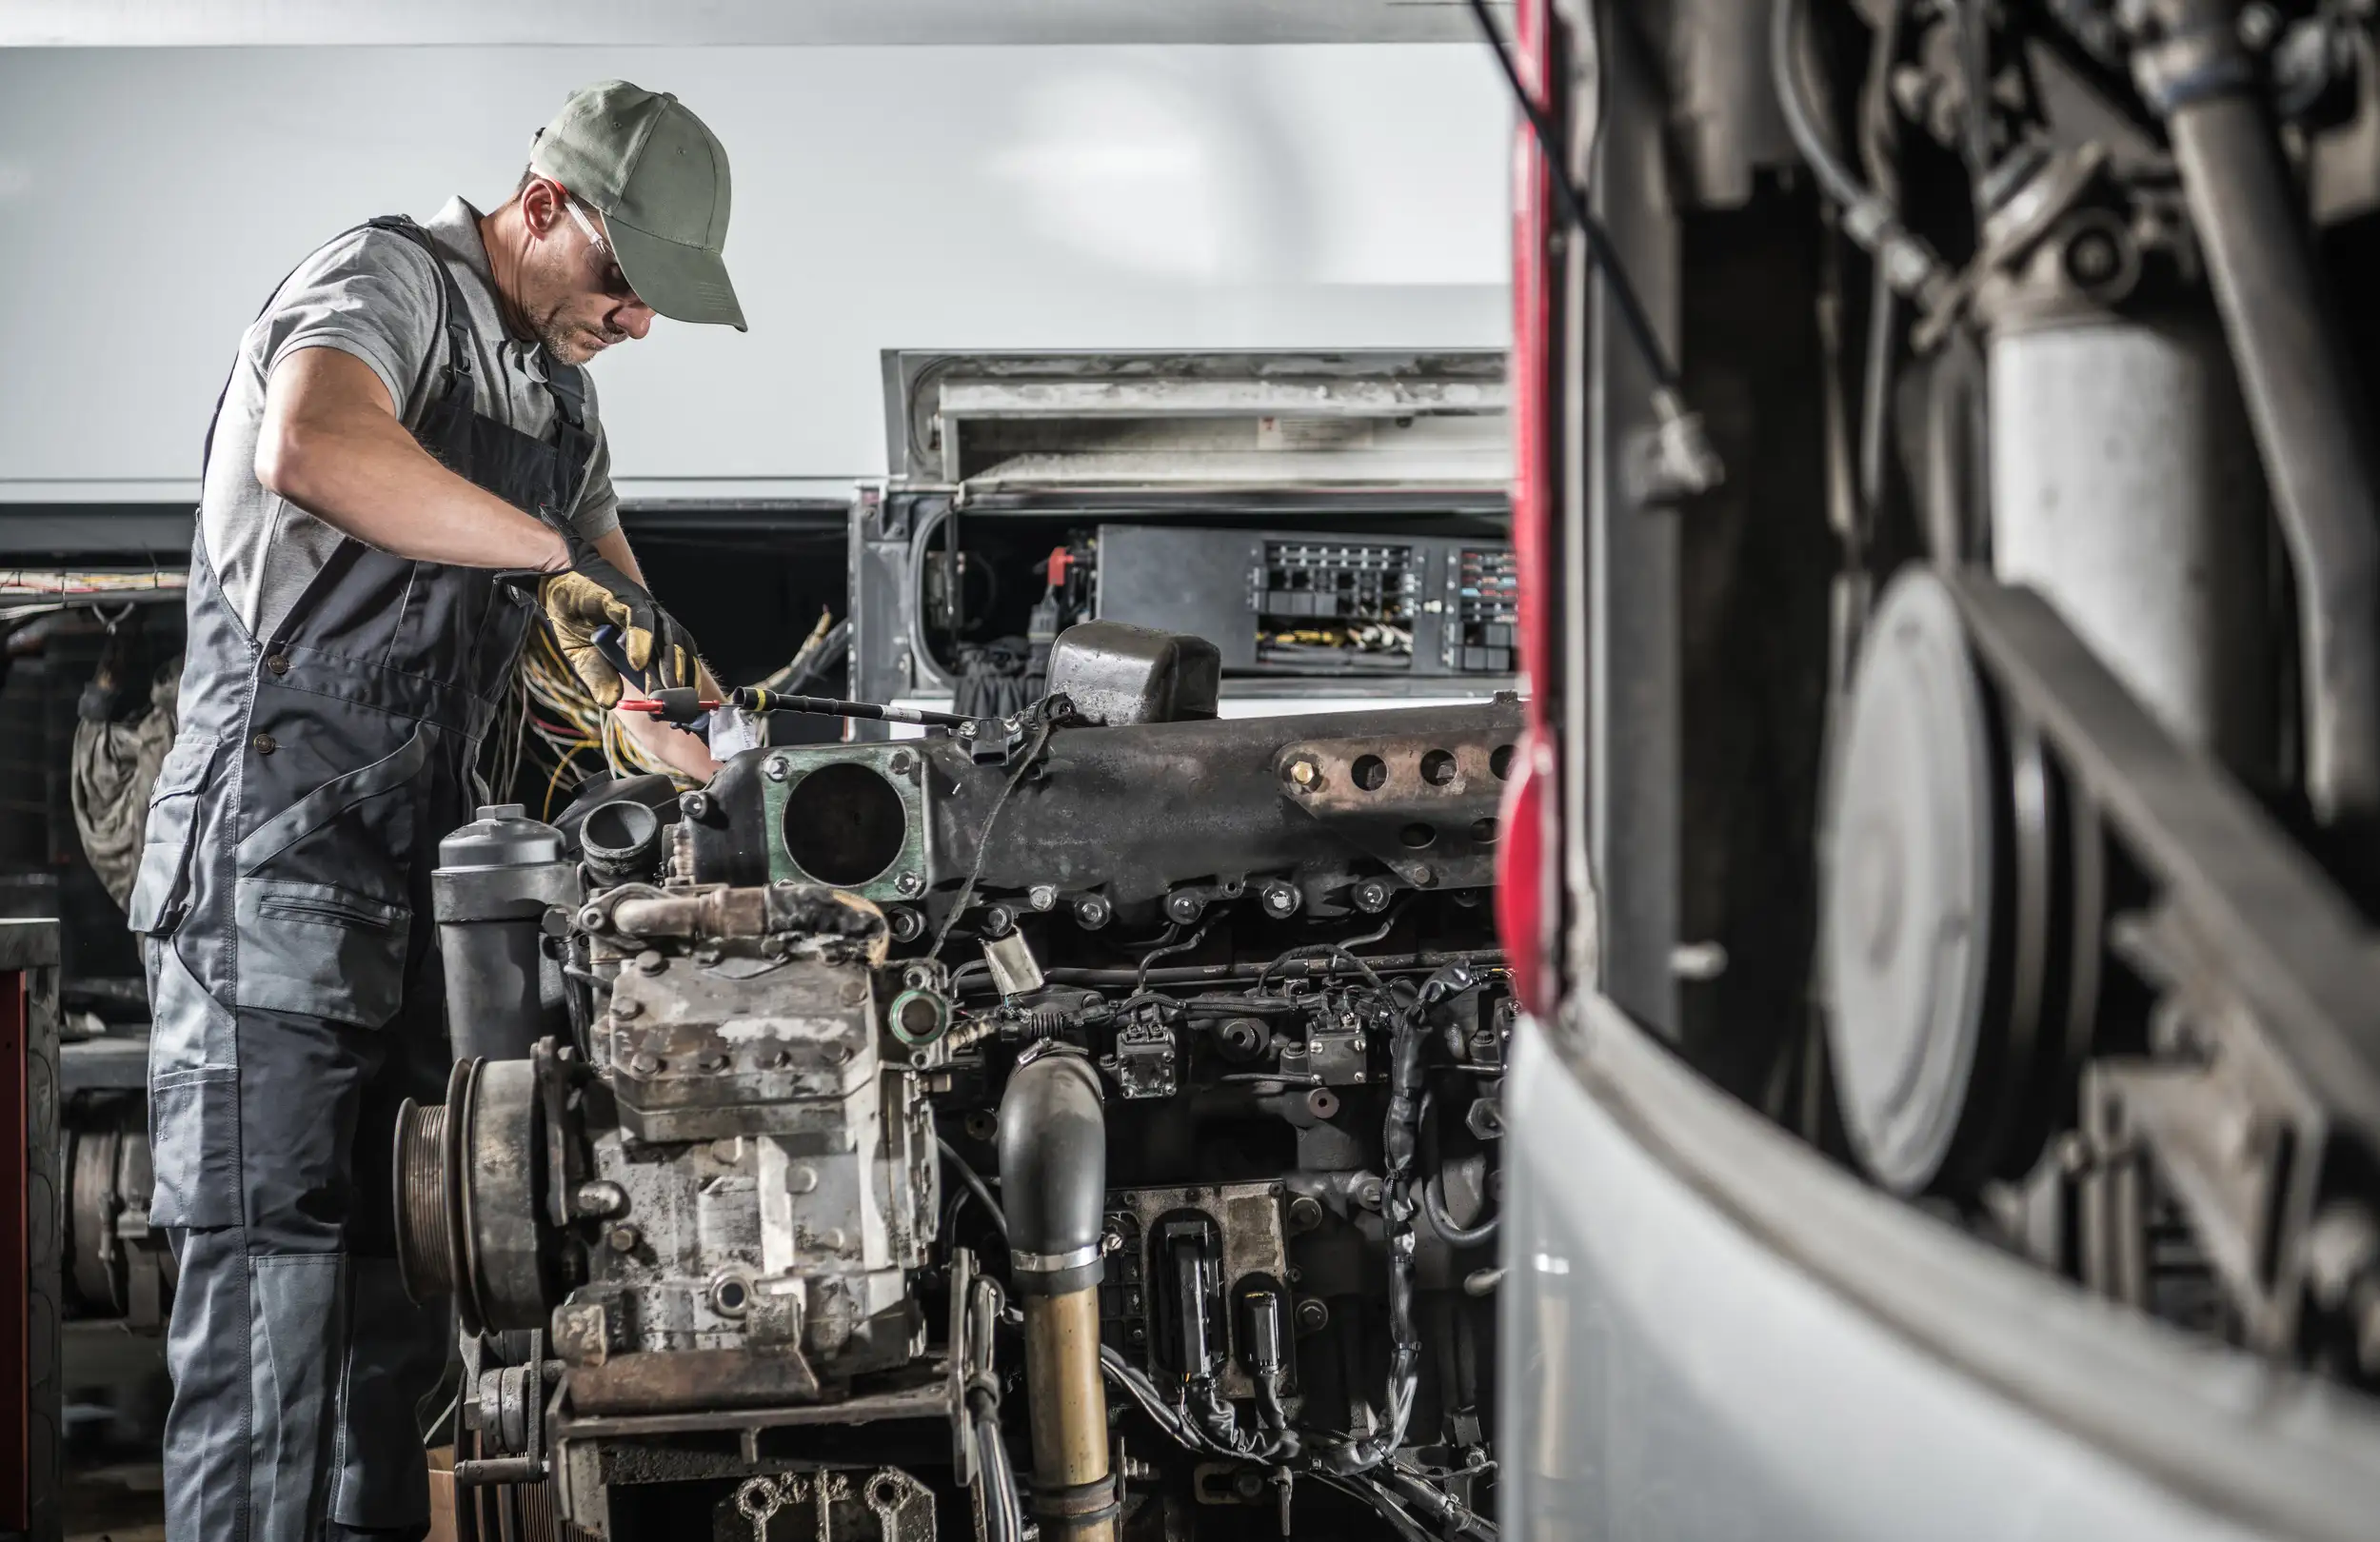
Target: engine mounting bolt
x: 1305, y: 1213
x: 592, y: 919
x: 645, y: 1063
x: 601, y: 1197
x: 695, y: 805
x: 778, y: 768
x: 1184, y: 906
x: 1372, y: 897
x: 908, y: 884
x: 900, y: 764
x: 1313, y: 1314
x: 624, y: 1238
x: 1280, y: 900
x: 1422, y: 875
x: 1304, y: 773
x: 1370, y: 1192
x: 1092, y: 912
x: 1041, y: 896
x: 651, y: 962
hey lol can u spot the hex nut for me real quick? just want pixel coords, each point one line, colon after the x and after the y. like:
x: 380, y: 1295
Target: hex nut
x: 624, y: 1237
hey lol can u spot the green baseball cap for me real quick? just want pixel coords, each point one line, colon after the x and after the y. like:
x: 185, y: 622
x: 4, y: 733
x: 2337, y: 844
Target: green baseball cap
x: 659, y: 178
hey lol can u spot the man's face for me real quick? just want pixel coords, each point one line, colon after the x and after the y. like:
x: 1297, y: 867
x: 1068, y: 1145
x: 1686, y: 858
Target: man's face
x: 573, y: 296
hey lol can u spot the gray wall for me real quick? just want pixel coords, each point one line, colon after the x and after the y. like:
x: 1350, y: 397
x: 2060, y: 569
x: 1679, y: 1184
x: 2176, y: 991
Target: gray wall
x: 986, y: 197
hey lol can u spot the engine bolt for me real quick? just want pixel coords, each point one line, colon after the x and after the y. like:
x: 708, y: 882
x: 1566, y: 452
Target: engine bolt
x: 1092, y: 912
x: 1372, y: 896
x: 624, y: 1238
x: 1280, y: 900
x: 729, y: 1150
x: 778, y: 768
x: 645, y: 1063
x: 601, y: 1197
x: 1184, y: 906
x: 624, y: 1010
x: 1370, y: 1192
x: 695, y: 805
x: 1043, y: 896
x: 651, y: 962
x: 1313, y: 1314
x: 1305, y: 1213
x: 909, y: 883
x: 1304, y: 773
x: 714, y: 1062
x: 900, y: 764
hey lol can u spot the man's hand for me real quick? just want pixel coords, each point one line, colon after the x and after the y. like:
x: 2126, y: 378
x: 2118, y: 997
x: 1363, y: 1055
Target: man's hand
x: 595, y: 593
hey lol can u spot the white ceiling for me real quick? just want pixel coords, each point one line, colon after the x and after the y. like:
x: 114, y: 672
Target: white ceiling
x: 551, y: 23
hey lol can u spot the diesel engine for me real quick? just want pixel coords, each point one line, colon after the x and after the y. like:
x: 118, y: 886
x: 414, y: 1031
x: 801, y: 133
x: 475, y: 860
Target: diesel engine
x: 1079, y: 1123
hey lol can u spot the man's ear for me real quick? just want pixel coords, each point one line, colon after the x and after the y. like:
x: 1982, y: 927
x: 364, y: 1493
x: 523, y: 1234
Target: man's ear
x: 540, y: 207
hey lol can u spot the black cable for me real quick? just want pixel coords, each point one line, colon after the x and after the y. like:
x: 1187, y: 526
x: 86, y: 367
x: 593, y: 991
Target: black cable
x: 1140, y: 977
x: 1633, y: 317
x: 983, y: 841
x: 1434, y: 1201
x: 974, y: 1180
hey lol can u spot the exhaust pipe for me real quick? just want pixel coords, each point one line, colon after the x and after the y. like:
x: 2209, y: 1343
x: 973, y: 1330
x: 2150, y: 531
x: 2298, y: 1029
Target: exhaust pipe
x: 1053, y: 1179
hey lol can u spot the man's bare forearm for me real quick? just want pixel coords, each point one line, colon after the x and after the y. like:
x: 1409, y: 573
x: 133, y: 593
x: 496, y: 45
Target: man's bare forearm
x: 331, y: 444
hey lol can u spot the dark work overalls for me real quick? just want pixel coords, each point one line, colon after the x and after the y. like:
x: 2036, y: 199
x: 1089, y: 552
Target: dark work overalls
x: 296, y: 985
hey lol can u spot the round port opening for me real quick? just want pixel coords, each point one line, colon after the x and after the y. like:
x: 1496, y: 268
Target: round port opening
x: 1417, y: 835
x: 1370, y: 772
x: 1438, y: 768
x: 845, y: 824
x: 1500, y: 762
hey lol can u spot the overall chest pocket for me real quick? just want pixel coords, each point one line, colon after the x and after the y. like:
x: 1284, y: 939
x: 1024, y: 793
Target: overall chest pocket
x: 324, y: 929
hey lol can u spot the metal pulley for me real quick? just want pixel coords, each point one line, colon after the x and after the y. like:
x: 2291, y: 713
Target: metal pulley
x: 1960, y: 912
x: 468, y: 1180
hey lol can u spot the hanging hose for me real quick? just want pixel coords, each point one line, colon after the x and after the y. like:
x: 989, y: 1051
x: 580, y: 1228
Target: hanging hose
x: 1907, y: 262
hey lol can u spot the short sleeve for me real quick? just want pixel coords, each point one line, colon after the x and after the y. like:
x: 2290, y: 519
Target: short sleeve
x: 597, y: 512
x: 374, y: 294
x: 598, y: 506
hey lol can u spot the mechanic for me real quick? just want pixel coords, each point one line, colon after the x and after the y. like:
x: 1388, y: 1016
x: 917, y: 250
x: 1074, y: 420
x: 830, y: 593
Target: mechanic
x: 406, y: 454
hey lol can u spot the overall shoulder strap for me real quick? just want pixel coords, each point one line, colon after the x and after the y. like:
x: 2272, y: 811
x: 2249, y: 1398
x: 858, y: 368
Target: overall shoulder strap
x: 454, y: 316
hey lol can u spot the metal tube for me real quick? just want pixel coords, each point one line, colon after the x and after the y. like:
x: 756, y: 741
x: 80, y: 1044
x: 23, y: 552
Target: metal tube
x: 2304, y: 402
x: 1069, y: 1407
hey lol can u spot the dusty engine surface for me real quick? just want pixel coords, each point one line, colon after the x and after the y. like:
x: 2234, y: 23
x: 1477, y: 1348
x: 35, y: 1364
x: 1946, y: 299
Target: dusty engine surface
x: 1083, y: 1120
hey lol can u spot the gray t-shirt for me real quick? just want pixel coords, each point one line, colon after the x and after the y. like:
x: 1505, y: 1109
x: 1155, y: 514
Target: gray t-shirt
x: 374, y: 294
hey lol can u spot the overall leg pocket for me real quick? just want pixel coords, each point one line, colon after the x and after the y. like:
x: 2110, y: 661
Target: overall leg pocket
x: 321, y: 950
x: 195, y: 1143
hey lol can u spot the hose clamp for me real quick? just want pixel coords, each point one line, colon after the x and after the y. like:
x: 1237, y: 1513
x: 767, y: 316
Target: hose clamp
x: 1054, y: 1263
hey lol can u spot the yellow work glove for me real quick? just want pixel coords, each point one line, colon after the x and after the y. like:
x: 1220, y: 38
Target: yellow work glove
x: 593, y: 595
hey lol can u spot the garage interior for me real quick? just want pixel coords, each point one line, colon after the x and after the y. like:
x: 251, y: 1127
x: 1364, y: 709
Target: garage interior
x: 1481, y: 770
